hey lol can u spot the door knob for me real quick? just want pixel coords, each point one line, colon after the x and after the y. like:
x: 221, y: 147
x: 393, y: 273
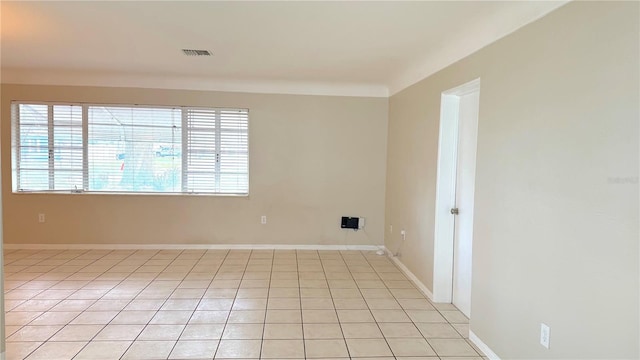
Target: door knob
x: 454, y: 211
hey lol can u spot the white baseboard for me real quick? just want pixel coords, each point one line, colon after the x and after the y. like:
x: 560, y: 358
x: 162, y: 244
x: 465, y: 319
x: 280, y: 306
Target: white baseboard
x: 482, y: 346
x: 186, y: 247
x: 473, y: 337
x: 409, y: 274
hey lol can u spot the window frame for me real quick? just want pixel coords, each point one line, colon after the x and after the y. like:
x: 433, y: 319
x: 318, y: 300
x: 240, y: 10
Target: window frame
x: 85, y: 106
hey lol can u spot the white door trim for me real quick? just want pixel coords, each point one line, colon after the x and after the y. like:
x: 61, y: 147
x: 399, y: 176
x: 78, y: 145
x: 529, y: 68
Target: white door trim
x: 446, y: 190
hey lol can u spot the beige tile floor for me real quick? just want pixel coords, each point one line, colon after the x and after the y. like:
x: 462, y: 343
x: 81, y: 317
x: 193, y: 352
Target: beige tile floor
x: 238, y: 304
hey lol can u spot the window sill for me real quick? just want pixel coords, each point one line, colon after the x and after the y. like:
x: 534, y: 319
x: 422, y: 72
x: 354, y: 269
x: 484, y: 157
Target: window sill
x: 124, y: 193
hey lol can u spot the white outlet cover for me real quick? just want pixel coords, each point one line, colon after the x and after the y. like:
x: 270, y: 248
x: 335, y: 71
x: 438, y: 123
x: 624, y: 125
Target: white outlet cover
x: 263, y: 219
x: 545, y: 333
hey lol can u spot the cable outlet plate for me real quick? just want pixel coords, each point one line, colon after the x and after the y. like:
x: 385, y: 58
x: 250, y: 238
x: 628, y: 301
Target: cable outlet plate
x: 349, y: 222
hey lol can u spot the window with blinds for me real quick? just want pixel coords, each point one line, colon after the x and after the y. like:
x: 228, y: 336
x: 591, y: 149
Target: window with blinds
x: 130, y: 149
x: 134, y: 149
x: 48, y: 147
x: 217, y: 156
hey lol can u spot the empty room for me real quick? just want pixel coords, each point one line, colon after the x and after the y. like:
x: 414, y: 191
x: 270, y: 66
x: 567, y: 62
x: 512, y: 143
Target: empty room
x: 330, y: 180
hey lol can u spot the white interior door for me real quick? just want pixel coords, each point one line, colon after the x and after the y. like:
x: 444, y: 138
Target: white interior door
x: 465, y: 185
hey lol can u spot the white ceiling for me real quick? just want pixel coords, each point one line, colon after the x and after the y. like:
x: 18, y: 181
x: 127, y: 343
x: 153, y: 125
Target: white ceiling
x: 342, y: 48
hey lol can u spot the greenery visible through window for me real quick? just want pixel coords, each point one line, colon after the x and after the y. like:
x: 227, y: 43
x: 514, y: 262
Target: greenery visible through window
x: 115, y: 148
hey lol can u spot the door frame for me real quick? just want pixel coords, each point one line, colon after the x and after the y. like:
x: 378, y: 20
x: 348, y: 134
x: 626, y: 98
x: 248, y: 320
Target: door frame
x: 443, y: 241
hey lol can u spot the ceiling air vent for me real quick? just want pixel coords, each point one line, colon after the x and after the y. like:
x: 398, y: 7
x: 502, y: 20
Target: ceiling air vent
x: 193, y: 52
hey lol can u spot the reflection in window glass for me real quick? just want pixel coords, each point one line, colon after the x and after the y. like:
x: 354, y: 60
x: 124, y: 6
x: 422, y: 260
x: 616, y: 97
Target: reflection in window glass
x: 134, y: 149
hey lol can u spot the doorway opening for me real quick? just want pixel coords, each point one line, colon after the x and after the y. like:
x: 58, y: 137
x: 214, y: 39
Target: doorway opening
x: 453, y: 235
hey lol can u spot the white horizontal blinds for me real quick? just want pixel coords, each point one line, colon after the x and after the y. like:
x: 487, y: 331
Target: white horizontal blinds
x: 201, y: 158
x: 130, y: 148
x: 32, y: 147
x: 134, y: 149
x: 67, y: 147
x: 234, y: 151
x: 217, y: 157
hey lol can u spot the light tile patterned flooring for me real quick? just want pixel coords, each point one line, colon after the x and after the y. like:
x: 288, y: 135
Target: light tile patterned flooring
x: 206, y: 304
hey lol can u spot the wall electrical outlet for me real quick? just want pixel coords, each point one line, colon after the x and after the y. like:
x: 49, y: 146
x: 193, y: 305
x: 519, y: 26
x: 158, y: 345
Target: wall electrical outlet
x: 391, y: 229
x: 545, y: 332
x: 263, y: 219
x: 40, y: 218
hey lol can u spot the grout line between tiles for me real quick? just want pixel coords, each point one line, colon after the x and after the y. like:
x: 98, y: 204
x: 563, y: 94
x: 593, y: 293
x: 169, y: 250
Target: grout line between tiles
x: 304, y: 342
x: 194, y: 310
x: 85, y: 309
x: 141, y: 291
x: 224, y: 328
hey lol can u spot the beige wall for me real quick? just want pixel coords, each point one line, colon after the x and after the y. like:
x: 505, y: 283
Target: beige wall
x: 556, y: 212
x: 312, y: 160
